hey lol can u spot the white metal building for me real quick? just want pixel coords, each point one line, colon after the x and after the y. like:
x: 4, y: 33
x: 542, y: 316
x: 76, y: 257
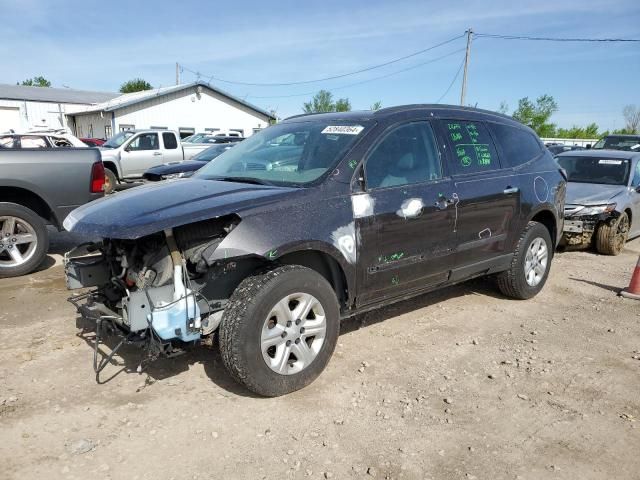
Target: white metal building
x: 189, y: 108
x: 22, y: 107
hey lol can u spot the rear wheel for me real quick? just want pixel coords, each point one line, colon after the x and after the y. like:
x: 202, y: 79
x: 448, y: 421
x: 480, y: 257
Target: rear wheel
x: 530, y: 266
x: 611, y: 237
x: 24, y: 240
x: 110, y: 181
x: 279, y: 330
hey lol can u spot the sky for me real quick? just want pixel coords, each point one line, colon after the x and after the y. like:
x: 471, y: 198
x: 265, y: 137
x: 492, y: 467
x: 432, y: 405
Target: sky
x: 99, y: 45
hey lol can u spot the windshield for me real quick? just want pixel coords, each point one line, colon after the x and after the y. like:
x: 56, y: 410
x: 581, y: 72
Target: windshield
x: 607, y: 171
x: 612, y: 142
x: 287, y: 154
x: 195, y: 138
x: 118, y: 139
x: 212, y: 152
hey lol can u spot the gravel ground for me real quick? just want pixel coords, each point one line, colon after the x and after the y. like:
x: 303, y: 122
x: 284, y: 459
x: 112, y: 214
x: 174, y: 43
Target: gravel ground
x: 458, y: 384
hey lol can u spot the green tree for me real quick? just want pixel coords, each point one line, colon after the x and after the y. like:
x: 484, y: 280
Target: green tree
x: 39, y: 81
x: 503, y: 108
x: 590, y: 131
x: 343, y: 105
x: 376, y: 106
x: 536, y: 115
x: 322, y: 102
x: 135, y: 85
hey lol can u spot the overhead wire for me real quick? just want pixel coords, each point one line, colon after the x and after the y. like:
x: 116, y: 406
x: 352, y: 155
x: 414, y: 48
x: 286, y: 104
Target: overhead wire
x: 553, y: 39
x: 452, y: 82
x: 331, y: 77
x: 341, y: 87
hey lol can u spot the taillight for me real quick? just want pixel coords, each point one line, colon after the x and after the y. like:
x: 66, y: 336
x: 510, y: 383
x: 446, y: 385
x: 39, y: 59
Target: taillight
x: 97, y: 178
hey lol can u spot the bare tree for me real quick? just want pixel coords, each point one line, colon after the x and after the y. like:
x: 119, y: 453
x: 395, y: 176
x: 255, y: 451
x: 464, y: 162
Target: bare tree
x: 632, y: 118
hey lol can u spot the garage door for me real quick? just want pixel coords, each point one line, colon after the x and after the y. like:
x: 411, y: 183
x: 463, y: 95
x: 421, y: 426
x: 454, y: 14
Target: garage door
x: 9, y: 118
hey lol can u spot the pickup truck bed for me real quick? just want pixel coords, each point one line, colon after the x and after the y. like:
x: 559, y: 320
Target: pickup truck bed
x: 40, y: 187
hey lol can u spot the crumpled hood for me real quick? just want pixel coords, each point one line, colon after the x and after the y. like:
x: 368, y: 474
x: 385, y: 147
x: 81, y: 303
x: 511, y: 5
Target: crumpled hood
x: 591, y: 193
x: 151, y: 208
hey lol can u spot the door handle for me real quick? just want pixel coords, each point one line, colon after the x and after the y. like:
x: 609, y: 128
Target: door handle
x: 510, y: 190
x: 156, y: 154
x: 443, y: 202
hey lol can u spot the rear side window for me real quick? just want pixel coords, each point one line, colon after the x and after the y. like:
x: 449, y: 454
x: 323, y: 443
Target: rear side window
x: 170, y: 142
x: 518, y: 146
x: 472, y: 147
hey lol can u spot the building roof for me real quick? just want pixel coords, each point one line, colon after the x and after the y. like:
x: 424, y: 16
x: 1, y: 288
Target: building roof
x: 54, y: 95
x: 137, y: 97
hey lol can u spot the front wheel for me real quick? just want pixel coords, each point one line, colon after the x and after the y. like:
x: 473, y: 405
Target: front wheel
x: 530, y: 265
x: 611, y: 237
x: 279, y: 330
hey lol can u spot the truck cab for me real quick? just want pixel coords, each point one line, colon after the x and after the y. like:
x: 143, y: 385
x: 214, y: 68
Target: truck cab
x: 129, y: 154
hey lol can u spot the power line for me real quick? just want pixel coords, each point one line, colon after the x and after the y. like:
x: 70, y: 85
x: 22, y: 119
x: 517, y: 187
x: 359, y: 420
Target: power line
x: 306, y: 94
x: 333, y: 77
x: 553, y: 39
x: 464, y: 60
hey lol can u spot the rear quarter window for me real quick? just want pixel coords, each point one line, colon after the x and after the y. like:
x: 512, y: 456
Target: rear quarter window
x: 472, y: 147
x: 517, y: 145
x: 170, y: 142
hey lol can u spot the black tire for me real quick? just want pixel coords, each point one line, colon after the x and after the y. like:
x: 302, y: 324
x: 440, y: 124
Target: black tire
x: 244, y: 317
x: 611, y: 237
x: 110, y: 181
x: 42, y: 240
x: 513, y: 283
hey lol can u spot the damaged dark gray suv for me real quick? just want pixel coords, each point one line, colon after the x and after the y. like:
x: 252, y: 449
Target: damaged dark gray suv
x: 314, y: 220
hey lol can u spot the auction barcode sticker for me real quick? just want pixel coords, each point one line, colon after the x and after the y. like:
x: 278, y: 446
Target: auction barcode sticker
x: 610, y: 162
x: 343, y: 129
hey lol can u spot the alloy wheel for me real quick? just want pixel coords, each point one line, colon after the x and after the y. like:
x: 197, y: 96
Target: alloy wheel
x: 293, y: 333
x: 18, y: 241
x: 535, y: 262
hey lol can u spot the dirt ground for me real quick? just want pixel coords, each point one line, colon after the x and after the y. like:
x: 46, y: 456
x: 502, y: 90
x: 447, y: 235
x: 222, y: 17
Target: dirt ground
x: 458, y: 384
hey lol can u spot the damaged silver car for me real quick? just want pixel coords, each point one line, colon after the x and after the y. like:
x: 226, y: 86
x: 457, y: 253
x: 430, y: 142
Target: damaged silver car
x: 603, y: 199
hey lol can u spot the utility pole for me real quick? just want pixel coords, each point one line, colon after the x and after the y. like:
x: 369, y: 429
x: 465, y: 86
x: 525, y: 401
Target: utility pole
x: 467, y: 56
x: 177, y: 74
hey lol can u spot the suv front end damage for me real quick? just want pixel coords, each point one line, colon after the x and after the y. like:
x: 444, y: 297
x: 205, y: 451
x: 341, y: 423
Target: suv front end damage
x: 151, y: 291
x: 581, y: 223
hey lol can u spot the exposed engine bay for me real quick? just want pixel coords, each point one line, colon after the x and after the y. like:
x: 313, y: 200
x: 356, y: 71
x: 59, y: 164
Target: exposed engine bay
x: 163, y: 291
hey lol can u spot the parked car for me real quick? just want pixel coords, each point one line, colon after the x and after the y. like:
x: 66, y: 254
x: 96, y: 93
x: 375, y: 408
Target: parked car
x: 556, y: 149
x: 185, y: 168
x: 93, y: 142
x: 40, y: 139
x: 130, y: 153
x: 40, y: 187
x: 197, y: 137
x: 619, y: 142
x: 193, y: 149
x: 316, y: 219
x: 603, y: 199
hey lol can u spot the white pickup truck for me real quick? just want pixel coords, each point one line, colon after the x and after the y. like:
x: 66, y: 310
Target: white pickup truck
x: 127, y: 155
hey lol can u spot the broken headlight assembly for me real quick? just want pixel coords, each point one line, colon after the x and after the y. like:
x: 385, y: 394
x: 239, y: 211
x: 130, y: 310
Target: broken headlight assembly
x: 594, y: 210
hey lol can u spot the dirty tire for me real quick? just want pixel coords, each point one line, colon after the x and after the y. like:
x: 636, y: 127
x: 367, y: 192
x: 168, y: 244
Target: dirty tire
x: 611, y: 238
x: 110, y: 181
x: 41, y: 234
x: 512, y: 283
x: 244, y: 317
